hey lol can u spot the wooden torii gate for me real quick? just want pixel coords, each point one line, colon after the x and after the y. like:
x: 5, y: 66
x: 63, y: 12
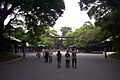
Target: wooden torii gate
x: 59, y: 42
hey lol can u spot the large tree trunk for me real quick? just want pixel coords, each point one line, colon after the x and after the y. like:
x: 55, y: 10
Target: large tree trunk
x: 4, y: 43
x: 1, y: 27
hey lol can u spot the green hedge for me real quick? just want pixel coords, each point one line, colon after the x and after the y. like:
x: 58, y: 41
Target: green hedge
x: 6, y: 56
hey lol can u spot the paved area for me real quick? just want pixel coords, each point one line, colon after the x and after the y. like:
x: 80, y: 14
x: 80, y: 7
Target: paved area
x: 90, y: 67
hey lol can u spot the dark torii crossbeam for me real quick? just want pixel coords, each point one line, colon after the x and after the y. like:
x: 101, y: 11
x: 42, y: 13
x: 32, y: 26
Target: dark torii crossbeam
x: 62, y: 36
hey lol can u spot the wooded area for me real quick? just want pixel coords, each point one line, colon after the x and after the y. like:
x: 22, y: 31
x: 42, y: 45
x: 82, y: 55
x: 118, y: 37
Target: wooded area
x: 30, y: 21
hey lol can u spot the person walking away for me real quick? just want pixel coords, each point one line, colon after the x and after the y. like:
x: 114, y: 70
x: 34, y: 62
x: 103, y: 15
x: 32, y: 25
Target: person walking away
x: 50, y: 56
x: 74, y: 59
x: 46, y: 55
x: 38, y: 54
x: 59, y: 56
x: 67, y: 59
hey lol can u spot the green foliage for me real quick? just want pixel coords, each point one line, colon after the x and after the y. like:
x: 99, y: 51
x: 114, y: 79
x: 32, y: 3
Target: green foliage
x: 64, y: 30
x: 46, y: 40
x: 99, y: 8
x: 82, y: 35
x: 107, y: 15
x: 110, y: 23
x: 18, y: 33
x: 35, y: 12
x: 6, y: 56
x: 53, y: 32
x: 34, y: 15
x: 87, y: 35
x: 33, y: 35
x: 69, y: 41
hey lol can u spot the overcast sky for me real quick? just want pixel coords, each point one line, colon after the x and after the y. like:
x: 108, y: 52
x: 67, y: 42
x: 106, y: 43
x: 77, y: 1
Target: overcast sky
x: 72, y: 16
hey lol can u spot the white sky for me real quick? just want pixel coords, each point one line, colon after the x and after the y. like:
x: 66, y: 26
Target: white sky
x: 72, y: 16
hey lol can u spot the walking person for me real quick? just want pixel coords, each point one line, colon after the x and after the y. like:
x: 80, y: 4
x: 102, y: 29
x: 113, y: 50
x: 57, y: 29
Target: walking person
x: 50, y: 56
x: 38, y: 54
x: 74, y: 59
x: 46, y: 55
x: 67, y: 59
x: 59, y: 56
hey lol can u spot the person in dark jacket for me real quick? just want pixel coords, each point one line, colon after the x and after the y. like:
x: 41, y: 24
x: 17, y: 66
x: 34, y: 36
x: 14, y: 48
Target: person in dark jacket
x: 59, y: 56
x: 74, y: 59
x: 46, y: 55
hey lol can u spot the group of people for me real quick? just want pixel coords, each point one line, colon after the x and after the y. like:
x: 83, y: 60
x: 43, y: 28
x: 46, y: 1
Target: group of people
x: 48, y: 54
x: 68, y: 58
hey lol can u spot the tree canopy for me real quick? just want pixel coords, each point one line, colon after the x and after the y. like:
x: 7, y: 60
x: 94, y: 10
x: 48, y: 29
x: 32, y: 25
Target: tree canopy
x: 34, y: 12
x: 107, y: 15
x: 64, y: 30
x: 87, y: 37
x: 46, y: 39
x: 69, y: 41
x: 36, y: 15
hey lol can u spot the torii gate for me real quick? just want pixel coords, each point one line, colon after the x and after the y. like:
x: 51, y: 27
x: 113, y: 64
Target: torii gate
x: 59, y: 42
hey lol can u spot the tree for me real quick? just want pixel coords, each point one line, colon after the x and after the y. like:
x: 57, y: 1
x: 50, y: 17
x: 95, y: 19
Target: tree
x: 107, y: 15
x: 17, y: 33
x: 36, y: 14
x: 99, y: 8
x: 69, y: 41
x: 64, y: 30
x: 87, y: 36
x: 46, y: 39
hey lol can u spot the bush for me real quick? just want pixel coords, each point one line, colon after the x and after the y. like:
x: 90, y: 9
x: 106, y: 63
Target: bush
x: 6, y: 56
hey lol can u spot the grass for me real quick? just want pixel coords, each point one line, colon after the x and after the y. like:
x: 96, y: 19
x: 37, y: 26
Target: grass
x: 6, y: 56
x: 115, y: 56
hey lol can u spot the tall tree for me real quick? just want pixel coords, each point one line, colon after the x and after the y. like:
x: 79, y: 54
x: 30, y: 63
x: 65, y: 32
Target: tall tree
x: 83, y: 35
x: 35, y: 13
x: 64, y: 30
x: 69, y: 41
x: 107, y: 15
x: 47, y: 40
